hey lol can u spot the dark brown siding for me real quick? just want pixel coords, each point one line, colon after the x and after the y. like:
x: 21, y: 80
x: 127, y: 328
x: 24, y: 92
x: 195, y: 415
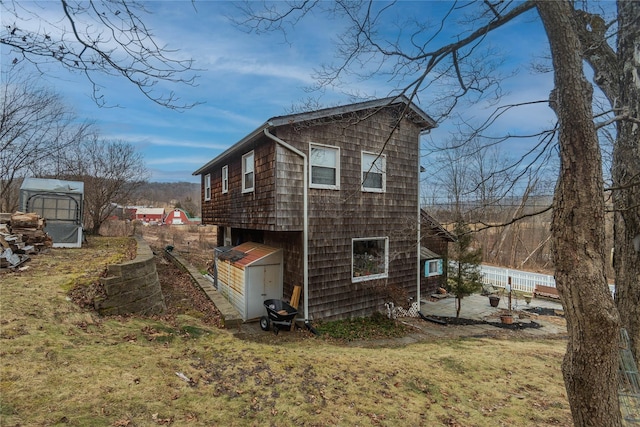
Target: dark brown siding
x: 432, y: 240
x: 253, y: 210
x: 338, y: 216
x: 277, y: 200
x: 291, y: 244
x: 289, y: 190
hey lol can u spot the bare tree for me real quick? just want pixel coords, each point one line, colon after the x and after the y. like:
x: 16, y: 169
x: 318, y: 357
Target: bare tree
x: 451, y: 178
x: 578, y: 234
x: 35, y: 126
x: 95, y: 37
x: 626, y: 175
x: 616, y: 74
x: 490, y: 180
x: 480, y: 184
x: 111, y: 172
x: 590, y: 366
x: 471, y: 175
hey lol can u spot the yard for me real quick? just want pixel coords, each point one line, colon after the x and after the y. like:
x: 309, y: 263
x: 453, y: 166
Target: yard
x: 64, y: 365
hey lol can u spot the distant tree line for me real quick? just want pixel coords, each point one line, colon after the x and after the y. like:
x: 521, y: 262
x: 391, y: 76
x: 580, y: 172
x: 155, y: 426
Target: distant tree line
x: 183, y: 195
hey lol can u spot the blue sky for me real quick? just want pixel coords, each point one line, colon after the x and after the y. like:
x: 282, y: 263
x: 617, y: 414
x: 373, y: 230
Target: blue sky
x: 247, y: 78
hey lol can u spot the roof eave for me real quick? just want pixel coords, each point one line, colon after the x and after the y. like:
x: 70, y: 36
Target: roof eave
x: 423, y: 120
x: 235, y: 147
x: 442, y: 232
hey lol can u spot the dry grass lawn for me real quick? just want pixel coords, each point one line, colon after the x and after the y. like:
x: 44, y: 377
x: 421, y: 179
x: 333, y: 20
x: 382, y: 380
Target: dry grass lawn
x: 64, y: 365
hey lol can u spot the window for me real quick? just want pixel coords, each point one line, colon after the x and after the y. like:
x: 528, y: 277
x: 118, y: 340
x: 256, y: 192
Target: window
x: 54, y: 207
x: 207, y: 187
x: 225, y: 179
x: 325, y: 167
x: 433, y: 267
x: 370, y: 259
x: 247, y: 173
x: 374, y: 172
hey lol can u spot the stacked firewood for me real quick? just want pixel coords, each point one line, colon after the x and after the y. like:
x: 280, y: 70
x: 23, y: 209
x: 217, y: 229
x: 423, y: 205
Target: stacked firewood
x: 21, y: 234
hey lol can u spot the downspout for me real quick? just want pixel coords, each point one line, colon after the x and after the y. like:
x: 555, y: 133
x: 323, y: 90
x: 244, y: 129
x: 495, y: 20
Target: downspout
x: 305, y: 227
x: 418, y: 233
x: 419, y: 222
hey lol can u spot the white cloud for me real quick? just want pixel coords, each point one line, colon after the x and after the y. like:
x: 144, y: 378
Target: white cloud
x: 254, y: 67
x: 191, y: 160
x: 150, y: 141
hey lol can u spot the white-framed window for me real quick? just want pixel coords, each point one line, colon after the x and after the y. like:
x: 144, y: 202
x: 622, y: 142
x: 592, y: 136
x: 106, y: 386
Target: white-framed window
x: 433, y: 267
x: 374, y: 172
x: 225, y: 179
x: 369, y: 258
x: 324, y: 170
x: 248, y: 175
x: 207, y: 187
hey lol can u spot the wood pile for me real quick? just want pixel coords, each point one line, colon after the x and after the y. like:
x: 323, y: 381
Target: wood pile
x: 21, y: 234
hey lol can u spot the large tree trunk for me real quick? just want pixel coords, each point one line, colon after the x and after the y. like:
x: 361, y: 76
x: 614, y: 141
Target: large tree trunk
x: 616, y: 74
x: 626, y: 174
x: 590, y: 367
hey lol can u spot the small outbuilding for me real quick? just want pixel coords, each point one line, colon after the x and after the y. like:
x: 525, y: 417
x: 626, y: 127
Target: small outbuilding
x: 60, y: 204
x: 249, y: 274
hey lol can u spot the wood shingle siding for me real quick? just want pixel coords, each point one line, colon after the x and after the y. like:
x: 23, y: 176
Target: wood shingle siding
x: 436, y: 238
x: 338, y: 216
x: 289, y: 172
x: 335, y: 216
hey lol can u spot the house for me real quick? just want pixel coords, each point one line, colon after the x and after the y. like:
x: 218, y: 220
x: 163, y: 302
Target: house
x: 150, y: 215
x: 434, y: 253
x: 337, y: 190
x: 180, y: 217
x: 60, y: 203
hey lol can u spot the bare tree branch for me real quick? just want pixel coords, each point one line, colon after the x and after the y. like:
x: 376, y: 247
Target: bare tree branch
x: 35, y: 126
x: 97, y: 37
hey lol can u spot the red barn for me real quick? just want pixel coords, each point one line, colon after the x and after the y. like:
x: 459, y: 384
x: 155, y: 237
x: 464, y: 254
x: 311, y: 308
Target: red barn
x: 180, y: 217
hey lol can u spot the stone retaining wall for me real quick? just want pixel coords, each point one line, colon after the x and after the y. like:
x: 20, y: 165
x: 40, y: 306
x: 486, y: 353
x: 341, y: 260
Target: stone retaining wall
x: 132, y: 286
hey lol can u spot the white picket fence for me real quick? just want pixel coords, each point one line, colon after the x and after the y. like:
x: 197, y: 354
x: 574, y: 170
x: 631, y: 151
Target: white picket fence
x: 524, y: 281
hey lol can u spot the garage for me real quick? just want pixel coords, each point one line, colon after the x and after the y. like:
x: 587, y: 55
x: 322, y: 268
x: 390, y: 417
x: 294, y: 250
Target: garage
x: 249, y: 274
